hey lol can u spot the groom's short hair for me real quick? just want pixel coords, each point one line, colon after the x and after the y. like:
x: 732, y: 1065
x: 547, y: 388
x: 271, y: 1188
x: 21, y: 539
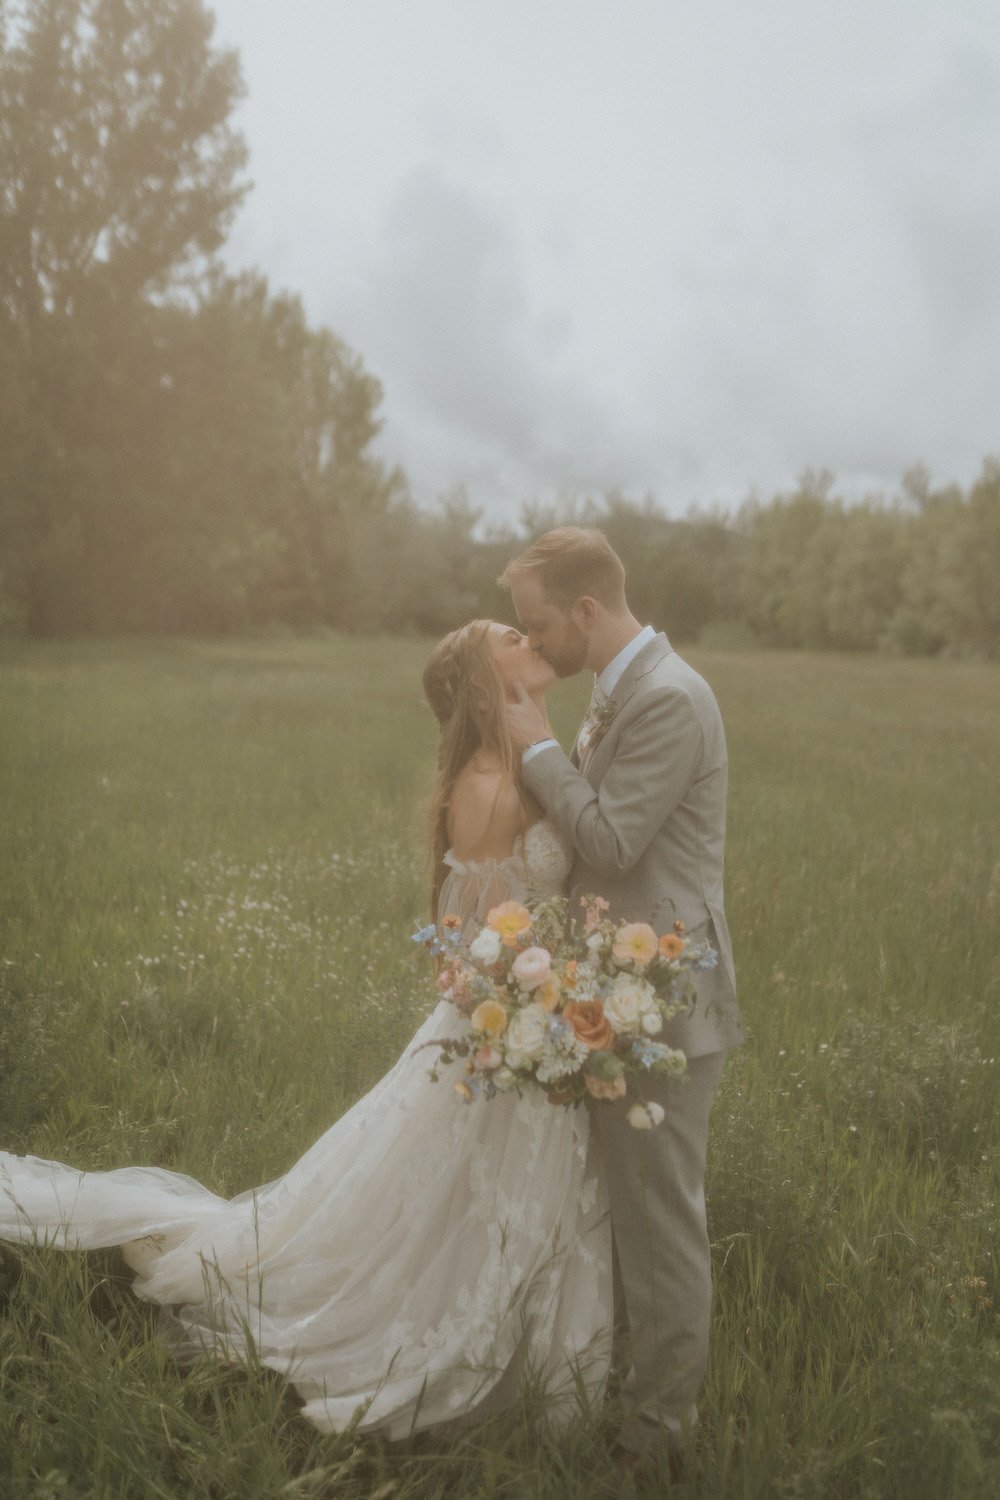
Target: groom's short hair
x: 570, y: 562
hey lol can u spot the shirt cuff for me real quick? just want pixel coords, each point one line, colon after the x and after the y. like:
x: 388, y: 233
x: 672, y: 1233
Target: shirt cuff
x: 534, y: 749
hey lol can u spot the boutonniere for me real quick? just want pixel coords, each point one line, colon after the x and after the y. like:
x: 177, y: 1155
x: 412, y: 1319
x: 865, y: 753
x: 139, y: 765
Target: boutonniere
x: 604, y: 716
x: 603, y: 720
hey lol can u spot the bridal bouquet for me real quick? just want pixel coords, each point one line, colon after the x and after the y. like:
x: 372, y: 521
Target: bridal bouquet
x: 573, y: 1010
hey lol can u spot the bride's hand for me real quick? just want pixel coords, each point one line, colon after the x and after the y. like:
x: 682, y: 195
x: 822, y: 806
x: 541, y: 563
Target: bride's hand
x: 525, y: 720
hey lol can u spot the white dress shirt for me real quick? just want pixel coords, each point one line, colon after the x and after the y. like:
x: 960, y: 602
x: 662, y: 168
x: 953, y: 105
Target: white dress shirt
x: 605, y: 682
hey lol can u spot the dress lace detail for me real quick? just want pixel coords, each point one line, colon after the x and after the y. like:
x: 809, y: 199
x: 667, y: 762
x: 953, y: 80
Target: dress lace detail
x: 417, y: 1257
x: 538, y: 867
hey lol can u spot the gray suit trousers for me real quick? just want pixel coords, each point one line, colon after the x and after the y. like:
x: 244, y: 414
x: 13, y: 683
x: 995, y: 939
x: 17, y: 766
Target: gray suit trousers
x: 663, y: 1278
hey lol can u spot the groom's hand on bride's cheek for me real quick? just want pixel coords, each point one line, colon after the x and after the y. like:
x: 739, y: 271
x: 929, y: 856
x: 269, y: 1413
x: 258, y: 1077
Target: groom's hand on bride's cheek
x: 525, y: 722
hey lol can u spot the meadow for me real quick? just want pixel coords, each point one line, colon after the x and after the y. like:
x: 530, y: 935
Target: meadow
x: 210, y: 866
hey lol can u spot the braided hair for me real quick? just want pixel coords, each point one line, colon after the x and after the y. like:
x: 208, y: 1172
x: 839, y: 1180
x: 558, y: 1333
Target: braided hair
x: 466, y: 693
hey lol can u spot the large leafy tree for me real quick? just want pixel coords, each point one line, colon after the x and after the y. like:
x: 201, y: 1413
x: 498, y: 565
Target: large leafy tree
x: 253, y: 450
x: 120, y: 166
x: 119, y: 175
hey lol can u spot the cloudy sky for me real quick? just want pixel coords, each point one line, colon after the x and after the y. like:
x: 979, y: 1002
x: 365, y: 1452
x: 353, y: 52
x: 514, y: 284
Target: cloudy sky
x: 686, y: 247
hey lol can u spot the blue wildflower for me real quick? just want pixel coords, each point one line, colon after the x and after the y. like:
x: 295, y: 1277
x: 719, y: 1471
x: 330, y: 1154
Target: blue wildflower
x: 648, y: 1053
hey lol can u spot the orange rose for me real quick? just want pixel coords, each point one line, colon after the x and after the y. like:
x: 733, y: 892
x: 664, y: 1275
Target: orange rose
x: 671, y: 945
x: 590, y: 1024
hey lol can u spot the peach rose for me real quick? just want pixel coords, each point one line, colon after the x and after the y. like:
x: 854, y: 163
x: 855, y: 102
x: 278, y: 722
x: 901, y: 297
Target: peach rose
x: 590, y: 1025
x: 532, y: 967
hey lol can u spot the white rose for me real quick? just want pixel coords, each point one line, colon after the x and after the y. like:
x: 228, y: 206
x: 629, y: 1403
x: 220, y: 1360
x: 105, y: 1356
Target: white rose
x: 652, y: 1021
x: 645, y: 1116
x: 532, y: 967
x: 486, y: 947
x: 526, y: 1036
x: 629, y: 1002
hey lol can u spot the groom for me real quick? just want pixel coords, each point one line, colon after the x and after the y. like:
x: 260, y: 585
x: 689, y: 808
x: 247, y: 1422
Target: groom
x: 642, y: 802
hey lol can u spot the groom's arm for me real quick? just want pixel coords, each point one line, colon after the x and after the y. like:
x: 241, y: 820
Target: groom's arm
x: 658, y: 753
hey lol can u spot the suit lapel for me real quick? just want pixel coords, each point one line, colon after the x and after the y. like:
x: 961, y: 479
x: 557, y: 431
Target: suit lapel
x: 640, y: 666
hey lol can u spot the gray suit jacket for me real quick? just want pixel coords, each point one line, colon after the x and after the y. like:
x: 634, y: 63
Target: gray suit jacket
x: 645, y: 814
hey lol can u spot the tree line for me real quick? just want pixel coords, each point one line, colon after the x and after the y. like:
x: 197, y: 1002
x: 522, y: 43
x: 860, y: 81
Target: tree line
x: 914, y: 574
x: 180, y: 451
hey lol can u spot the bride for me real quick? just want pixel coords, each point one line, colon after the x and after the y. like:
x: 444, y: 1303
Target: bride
x: 424, y: 1255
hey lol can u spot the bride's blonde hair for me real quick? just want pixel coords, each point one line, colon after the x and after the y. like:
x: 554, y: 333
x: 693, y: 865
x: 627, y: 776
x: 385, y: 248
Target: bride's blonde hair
x: 466, y: 692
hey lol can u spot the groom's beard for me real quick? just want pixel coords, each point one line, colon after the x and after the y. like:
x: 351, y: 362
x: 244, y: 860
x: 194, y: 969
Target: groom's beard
x: 571, y: 656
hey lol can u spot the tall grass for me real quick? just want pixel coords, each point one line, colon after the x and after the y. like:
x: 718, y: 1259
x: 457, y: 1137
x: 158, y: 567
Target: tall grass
x: 209, y: 868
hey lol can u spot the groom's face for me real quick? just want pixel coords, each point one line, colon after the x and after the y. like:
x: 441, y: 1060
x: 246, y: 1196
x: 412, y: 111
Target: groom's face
x: 551, y: 631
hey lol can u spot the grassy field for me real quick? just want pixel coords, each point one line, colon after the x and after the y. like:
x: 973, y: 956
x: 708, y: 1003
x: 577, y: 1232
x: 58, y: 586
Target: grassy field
x: 211, y: 851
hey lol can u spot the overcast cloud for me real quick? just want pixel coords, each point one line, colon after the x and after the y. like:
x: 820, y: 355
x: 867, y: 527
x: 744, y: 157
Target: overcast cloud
x: 681, y: 248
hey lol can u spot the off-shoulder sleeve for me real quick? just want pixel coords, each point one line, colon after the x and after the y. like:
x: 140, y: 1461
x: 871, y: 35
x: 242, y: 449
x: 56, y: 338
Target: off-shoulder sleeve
x: 472, y: 889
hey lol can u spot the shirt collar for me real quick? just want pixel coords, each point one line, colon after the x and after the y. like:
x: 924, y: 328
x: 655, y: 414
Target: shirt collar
x: 610, y: 677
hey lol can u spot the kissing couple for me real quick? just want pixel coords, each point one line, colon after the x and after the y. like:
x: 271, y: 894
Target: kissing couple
x: 423, y: 1259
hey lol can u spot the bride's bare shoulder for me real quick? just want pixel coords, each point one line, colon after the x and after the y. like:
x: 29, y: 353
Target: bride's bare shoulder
x: 485, y: 814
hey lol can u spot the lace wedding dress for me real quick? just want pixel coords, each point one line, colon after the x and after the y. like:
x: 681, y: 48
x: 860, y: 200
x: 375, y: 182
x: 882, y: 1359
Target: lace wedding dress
x: 419, y: 1257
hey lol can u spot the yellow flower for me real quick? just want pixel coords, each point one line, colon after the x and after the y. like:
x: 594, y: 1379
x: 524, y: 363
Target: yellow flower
x: 489, y: 1016
x: 509, y: 919
x: 547, y: 993
x: 635, y: 942
x: 671, y: 945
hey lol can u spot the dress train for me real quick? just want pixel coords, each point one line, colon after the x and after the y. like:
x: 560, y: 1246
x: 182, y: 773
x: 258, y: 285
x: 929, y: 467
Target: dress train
x: 407, y: 1269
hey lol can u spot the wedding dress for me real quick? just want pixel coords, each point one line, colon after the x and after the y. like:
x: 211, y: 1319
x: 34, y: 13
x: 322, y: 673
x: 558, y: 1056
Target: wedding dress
x: 418, y: 1258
